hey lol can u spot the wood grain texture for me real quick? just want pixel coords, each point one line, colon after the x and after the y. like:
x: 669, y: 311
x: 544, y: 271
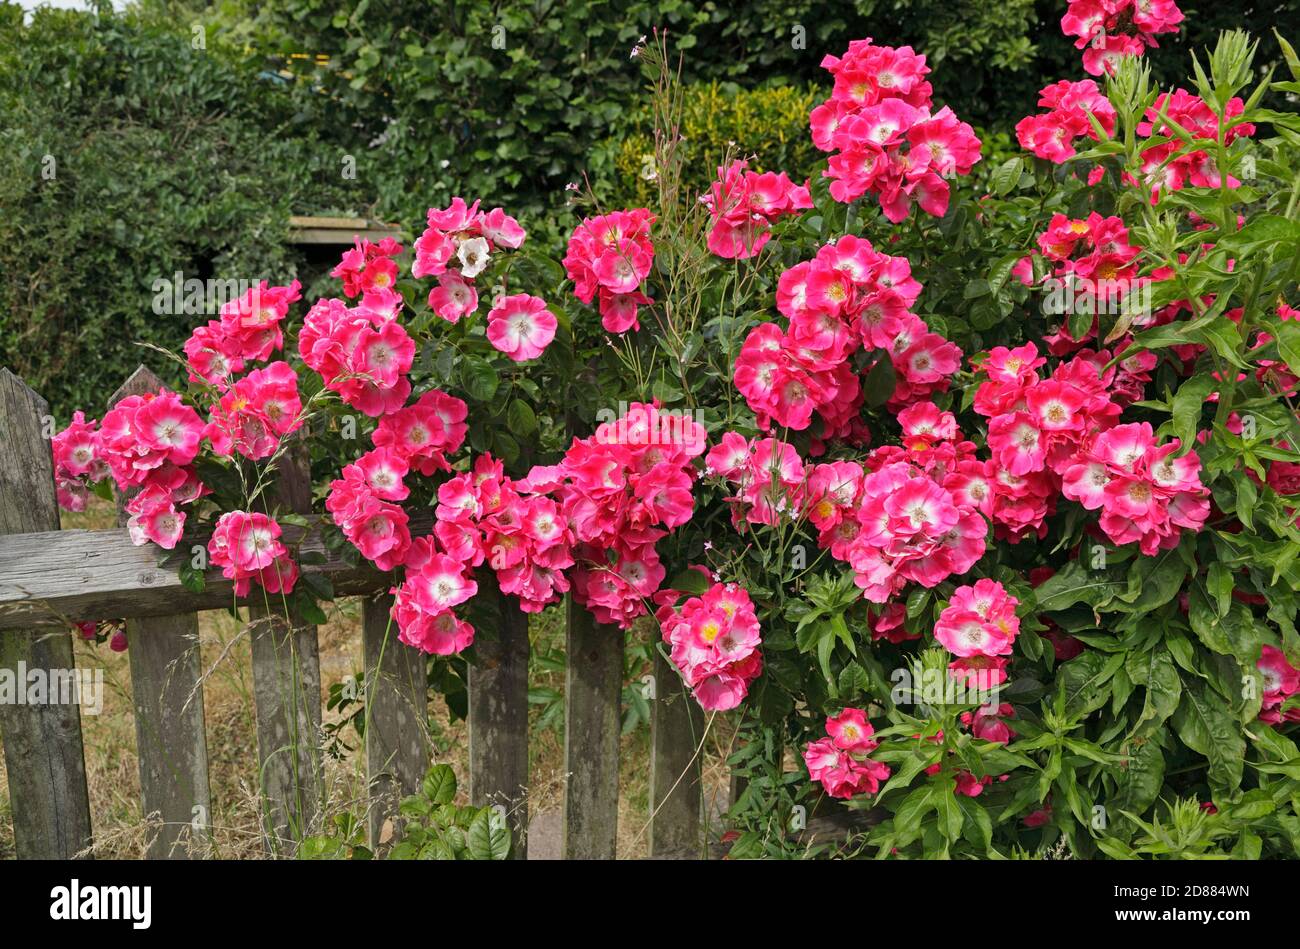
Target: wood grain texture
x: 397, y: 746
x: 498, y: 712
x: 44, y: 756
x: 166, y: 668
x: 286, y: 691
x: 592, y: 723
x: 166, y: 687
x: 286, y: 687
x: 330, y: 235
x: 55, y: 578
x: 676, y: 799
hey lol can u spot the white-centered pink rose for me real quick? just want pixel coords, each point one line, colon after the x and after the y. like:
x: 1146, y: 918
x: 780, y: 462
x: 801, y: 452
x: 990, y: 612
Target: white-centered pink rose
x: 521, y: 326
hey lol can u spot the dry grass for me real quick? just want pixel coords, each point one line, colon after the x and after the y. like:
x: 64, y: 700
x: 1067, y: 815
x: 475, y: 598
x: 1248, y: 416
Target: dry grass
x: 112, y: 775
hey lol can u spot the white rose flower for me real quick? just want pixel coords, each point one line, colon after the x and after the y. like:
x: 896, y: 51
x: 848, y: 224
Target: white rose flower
x: 473, y: 255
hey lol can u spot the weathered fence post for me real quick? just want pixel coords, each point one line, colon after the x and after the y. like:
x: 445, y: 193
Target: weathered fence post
x: 397, y: 749
x: 593, y: 692
x: 286, y: 686
x: 166, y: 686
x: 676, y: 795
x: 592, y: 723
x: 42, y: 742
x: 498, y: 712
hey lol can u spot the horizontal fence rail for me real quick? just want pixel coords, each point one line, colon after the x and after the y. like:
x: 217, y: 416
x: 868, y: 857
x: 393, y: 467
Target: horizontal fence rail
x: 52, y: 578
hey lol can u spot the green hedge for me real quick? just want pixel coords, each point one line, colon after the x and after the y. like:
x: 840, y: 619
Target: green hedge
x: 509, y: 101
x: 768, y: 126
x: 128, y: 155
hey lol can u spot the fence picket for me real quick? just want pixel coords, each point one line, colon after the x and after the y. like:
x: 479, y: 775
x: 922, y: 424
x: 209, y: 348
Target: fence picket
x: 167, y: 691
x: 166, y: 670
x: 44, y: 756
x: 676, y: 794
x: 498, y: 712
x: 592, y: 723
x: 286, y: 689
x: 286, y: 692
x: 397, y: 748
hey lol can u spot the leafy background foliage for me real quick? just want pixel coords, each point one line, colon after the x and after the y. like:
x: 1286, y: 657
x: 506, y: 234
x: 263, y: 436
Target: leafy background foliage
x: 166, y: 159
x: 772, y: 122
x: 175, y: 158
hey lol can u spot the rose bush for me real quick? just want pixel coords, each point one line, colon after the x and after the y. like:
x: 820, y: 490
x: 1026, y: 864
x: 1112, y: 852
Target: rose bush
x: 972, y: 488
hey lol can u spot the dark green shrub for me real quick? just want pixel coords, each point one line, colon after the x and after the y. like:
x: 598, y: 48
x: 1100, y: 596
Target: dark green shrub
x: 126, y: 156
x: 505, y: 101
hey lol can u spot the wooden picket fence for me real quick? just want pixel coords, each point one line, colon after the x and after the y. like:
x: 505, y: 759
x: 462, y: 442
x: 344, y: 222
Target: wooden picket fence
x: 50, y: 578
